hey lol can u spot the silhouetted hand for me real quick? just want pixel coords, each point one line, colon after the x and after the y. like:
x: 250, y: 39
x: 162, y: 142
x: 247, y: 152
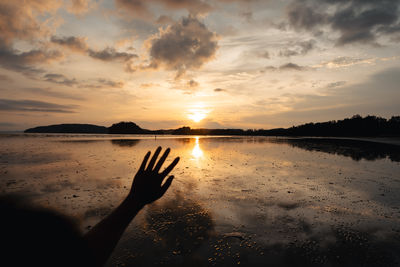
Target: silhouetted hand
x: 147, y: 185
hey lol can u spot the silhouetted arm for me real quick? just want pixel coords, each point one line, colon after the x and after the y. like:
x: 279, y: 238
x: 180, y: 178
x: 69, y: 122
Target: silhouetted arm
x: 146, y: 187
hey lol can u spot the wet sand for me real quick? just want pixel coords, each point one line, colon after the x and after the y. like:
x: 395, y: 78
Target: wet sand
x: 252, y: 201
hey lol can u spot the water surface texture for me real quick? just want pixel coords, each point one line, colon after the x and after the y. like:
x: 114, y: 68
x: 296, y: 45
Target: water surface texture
x: 235, y: 200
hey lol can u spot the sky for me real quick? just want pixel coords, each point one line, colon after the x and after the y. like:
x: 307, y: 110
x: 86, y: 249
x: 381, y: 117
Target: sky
x: 217, y: 64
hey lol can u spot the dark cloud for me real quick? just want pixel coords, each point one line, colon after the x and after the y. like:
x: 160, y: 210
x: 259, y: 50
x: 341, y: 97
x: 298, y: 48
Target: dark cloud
x: 74, y: 43
x: 355, y: 20
x: 110, y: 54
x: 103, y: 83
x: 192, y: 83
x: 97, y: 83
x: 219, y: 90
x: 59, y: 79
x: 291, y: 66
x: 25, y: 62
x: 302, y: 15
x: 187, y: 44
x: 286, y: 67
x: 300, y: 48
x: 78, y: 44
x: 336, y: 84
x: 33, y: 106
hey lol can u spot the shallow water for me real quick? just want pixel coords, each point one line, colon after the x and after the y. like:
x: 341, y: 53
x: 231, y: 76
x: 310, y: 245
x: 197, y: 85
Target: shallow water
x: 235, y: 200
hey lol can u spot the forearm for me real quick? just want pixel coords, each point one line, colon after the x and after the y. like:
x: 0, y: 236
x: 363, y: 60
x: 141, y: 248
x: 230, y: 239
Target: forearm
x: 103, y: 237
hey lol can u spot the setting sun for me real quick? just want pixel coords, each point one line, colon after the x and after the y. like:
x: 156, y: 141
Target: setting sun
x: 197, y: 115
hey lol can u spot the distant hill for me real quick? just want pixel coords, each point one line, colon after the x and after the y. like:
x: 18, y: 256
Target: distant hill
x: 127, y: 128
x: 69, y: 128
x: 350, y: 127
x: 356, y: 126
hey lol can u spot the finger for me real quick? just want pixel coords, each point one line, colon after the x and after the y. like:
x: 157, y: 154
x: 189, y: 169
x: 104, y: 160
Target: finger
x: 170, y: 167
x: 162, y: 159
x: 143, y: 165
x: 166, y: 185
x: 153, y: 159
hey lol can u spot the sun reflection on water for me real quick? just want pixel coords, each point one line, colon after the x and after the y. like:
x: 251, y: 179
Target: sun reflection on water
x: 197, y: 152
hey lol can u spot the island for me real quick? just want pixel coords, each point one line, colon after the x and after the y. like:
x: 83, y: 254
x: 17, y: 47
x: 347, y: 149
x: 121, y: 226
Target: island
x: 356, y: 126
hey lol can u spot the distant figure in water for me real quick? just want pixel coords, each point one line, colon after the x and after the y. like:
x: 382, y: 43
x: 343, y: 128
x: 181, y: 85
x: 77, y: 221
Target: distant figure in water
x: 38, y: 237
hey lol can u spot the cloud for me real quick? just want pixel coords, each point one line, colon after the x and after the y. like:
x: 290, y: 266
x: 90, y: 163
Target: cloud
x: 336, y: 84
x: 77, y: 44
x: 302, y: 16
x: 79, y: 7
x: 219, y: 90
x: 300, y: 48
x: 291, y: 66
x: 138, y: 8
x: 33, y: 106
x: 343, y: 62
x: 19, y: 19
x: 265, y: 55
x: 148, y: 85
x: 103, y: 83
x: 110, y: 54
x: 97, y: 83
x: 5, y: 78
x: 185, y: 45
x: 141, y: 8
x: 51, y: 93
x: 193, y: 6
x: 165, y: 20
x: 25, y: 62
x: 355, y: 21
x: 111, y: 83
x: 59, y: 79
x: 192, y: 84
x: 286, y: 67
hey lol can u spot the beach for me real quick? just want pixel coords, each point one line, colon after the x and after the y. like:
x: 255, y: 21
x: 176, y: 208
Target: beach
x: 242, y: 200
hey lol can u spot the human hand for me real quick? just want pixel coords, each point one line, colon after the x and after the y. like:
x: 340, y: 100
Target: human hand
x: 146, y: 186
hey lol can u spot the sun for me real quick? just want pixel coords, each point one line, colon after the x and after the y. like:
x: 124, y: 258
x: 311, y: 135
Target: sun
x: 196, y: 116
x: 197, y: 112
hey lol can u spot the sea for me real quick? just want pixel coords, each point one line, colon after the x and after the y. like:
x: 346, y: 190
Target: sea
x: 235, y: 200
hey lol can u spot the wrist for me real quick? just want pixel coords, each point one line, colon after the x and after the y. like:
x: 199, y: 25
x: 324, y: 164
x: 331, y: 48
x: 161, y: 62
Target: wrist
x: 134, y: 202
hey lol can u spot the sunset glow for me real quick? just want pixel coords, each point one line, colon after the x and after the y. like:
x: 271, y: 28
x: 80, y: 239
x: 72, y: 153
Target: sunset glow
x: 258, y: 64
x: 197, y: 115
